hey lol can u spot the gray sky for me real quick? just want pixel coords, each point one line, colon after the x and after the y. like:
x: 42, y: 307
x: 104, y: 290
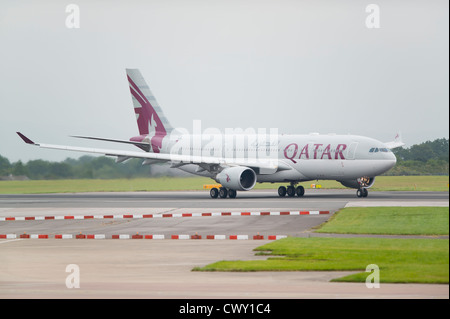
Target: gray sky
x: 299, y: 66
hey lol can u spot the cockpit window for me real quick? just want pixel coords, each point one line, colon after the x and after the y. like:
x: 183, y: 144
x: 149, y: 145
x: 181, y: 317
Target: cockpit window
x: 376, y: 150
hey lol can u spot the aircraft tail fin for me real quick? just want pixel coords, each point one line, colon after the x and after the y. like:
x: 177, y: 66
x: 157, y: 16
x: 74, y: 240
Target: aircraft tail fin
x: 149, y: 115
x: 397, y: 142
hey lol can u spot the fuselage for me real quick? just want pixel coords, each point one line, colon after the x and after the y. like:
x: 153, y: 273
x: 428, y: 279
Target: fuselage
x: 302, y: 157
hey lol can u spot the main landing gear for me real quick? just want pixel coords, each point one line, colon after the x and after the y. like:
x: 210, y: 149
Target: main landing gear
x: 291, y: 191
x: 362, y: 192
x: 222, y: 192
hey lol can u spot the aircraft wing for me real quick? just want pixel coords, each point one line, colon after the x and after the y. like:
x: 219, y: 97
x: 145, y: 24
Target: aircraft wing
x: 264, y: 166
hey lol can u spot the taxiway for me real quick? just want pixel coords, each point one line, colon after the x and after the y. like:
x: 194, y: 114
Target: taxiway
x: 35, y: 268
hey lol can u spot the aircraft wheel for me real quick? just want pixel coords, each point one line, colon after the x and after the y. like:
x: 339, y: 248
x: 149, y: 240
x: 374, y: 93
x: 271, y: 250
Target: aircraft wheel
x: 291, y: 191
x: 365, y: 192
x: 359, y: 193
x: 232, y: 193
x: 214, y: 192
x: 300, y: 191
x: 282, y: 191
x: 223, y: 192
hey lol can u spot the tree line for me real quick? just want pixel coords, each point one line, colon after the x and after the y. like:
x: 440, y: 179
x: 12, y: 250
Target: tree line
x: 428, y: 158
x: 85, y: 167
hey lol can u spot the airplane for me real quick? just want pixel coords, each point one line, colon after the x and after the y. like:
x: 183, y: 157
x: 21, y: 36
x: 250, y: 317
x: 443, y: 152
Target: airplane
x: 238, y: 161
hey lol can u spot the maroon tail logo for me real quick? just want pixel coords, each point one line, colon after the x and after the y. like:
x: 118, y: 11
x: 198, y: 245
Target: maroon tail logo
x: 148, y: 120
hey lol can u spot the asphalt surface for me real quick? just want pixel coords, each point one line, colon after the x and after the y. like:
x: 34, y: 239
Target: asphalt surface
x: 35, y: 268
x: 189, y: 202
x: 261, y: 199
x: 162, y: 270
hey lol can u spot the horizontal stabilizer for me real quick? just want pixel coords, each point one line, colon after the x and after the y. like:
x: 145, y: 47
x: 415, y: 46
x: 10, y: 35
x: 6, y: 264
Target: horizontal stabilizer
x: 144, y: 146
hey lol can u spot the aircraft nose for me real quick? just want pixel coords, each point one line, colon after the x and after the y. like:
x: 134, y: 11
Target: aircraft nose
x: 392, y: 160
x: 393, y: 157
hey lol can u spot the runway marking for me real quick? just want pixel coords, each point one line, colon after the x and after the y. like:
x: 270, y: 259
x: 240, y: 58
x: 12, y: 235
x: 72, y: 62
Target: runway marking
x: 164, y: 215
x: 15, y: 237
x: 24, y: 236
x: 9, y: 241
x: 8, y: 236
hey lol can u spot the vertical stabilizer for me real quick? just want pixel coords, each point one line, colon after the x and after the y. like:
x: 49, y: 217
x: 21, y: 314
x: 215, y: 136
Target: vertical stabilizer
x: 397, y: 142
x: 150, y: 118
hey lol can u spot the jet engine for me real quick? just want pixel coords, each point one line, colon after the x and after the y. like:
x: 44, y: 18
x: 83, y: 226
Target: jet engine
x: 237, y: 178
x: 361, y: 182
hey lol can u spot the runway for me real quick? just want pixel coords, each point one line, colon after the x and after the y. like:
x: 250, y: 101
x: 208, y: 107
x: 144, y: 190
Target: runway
x: 35, y: 268
x: 314, y: 199
x: 163, y: 203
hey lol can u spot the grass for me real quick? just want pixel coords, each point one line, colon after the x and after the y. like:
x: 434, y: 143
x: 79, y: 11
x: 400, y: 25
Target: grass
x: 389, y: 220
x: 383, y: 183
x: 399, y: 260
x: 404, y: 260
x: 411, y: 183
x: 103, y: 185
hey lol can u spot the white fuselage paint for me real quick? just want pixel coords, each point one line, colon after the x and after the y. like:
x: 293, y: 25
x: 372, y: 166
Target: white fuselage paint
x: 303, y: 157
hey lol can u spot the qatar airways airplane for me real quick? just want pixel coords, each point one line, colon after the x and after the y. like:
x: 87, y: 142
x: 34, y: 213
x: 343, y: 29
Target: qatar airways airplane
x: 238, y: 161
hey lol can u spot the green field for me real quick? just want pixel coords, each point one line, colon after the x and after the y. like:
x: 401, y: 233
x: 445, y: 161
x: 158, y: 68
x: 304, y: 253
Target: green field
x: 411, y: 183
x: 383, y: 183
x: 389, y: 220
x: 401, y: 260
x: 103, y: 185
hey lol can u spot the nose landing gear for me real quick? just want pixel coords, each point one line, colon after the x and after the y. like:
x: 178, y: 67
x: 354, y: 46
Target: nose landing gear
x: 362, y: 192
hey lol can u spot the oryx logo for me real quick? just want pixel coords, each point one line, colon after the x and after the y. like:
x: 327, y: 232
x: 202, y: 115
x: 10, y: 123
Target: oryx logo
x: 228, y: 178
x: 148, y: 120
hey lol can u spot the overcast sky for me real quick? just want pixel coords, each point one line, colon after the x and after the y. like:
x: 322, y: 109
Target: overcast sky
x: 299, y: 66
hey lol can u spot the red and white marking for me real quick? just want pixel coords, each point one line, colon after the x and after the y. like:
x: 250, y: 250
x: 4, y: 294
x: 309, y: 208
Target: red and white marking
x: 139, y: 236
x: 174, y: 215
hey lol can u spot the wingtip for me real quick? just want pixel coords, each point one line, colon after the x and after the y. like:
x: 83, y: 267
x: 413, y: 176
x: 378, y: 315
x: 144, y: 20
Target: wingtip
x: 25, y: 139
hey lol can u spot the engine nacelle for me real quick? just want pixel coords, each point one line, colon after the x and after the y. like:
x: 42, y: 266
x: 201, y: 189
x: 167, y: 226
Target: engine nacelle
x: 362, y: 182
x: 239, y: 178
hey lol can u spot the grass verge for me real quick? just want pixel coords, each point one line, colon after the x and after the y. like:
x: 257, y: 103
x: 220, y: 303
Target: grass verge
x: 389, y: 220
x: 399, y: 260
x: 103, y: 185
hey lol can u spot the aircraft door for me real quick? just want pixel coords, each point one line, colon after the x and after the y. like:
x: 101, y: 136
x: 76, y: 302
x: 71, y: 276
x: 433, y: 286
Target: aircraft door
x: 352, y: 151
